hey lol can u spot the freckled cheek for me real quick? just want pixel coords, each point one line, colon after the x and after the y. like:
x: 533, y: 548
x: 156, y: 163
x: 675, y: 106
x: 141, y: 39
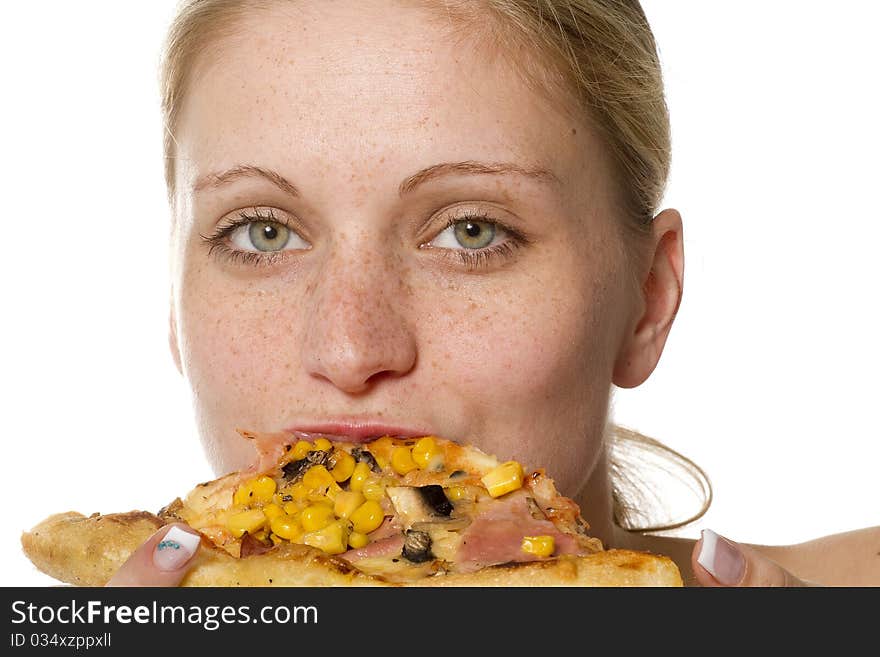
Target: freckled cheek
x: 240, y: 342
x: 512, y: 350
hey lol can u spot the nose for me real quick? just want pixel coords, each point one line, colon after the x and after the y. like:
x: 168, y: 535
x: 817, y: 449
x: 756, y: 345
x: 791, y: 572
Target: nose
x: 359, y: 330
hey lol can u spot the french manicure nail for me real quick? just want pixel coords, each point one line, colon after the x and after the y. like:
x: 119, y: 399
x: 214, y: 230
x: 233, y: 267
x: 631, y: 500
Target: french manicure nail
x: 721, y: 558
x: 175, y: 549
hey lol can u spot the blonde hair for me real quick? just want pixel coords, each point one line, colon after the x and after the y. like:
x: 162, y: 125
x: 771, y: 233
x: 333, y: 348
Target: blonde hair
x: 598, y: 54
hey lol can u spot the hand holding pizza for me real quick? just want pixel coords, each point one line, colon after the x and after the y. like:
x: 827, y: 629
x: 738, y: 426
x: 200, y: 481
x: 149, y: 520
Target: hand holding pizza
x: 162, y: 560
x: 718, y: 562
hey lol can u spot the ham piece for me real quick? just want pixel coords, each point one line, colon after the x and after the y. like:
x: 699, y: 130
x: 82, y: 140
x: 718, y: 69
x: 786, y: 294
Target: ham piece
x: 495, y: 536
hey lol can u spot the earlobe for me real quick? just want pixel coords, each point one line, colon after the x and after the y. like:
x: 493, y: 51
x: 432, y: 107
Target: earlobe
x: 662, y: 293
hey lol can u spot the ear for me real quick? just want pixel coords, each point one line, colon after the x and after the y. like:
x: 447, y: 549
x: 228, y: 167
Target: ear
x: 661, y: 298
x: 172, y: 334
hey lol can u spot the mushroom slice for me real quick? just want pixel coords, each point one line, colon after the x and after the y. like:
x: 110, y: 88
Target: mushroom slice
x: 362, y: 455
x: 419, y: 503
x: 417, y: 547
x: 294, y: 470
x: 451, y: 524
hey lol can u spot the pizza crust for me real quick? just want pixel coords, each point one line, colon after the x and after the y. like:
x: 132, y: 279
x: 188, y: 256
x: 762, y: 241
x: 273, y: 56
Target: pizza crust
x: 88, y: 550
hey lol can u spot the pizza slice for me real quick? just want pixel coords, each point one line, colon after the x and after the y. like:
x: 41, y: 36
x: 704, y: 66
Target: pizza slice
x: 391, y: 512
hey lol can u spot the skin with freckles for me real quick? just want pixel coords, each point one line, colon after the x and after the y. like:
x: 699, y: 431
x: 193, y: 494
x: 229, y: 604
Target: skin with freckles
x: 392, y: 228
x: 374, y: 308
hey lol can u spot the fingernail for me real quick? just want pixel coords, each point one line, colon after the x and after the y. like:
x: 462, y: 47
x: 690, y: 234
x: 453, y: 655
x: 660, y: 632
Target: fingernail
x: 175, y: 549
x: 721, y: 558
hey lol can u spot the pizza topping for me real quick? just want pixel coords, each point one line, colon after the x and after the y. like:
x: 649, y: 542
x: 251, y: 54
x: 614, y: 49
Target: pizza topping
x: 428, y: 455
x: 419, y: 504
x: 367, y: 517
x: 359, y: 475
x: 287, y: 527
x: 390, y: 546
x: 249, y: 522
x: 301, y: 449
x: 256, y: 490
x: 399, y: 508
x: 296, y: 469
x: 503, y: 479
x: 316, y: 516
x: 496, y: 535
x: 417, y: 546
x: 540, y: 546
x: 347, y: 502
x: 362, y: 455
x: 461, y: 493
x: 535, y: 510
x: 402, y: 461
x: 436, y: 499
x: 332, y: 539
x: 341, y: 465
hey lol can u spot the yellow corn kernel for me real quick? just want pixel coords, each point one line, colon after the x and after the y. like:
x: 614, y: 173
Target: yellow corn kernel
x: 460, y: 493
x: 373, y: 489
x: 272, y: 510
x: 222, y: 516
x: 332, y: 539
x: 320, y: 498
x: 263, y: 488
x: 346, y: 502
x: 360, y: 474
x: 275, y: 539
x: 357, y: 540
x: 504, y: 478
x: 287, y: 527
x: 317, y: 478
x: 427, y: 454
x: 540, y: 546
x: 344, y: 465
x: 243, y: 494
x: 301, y: 450
x: 250, y: 521
x: 402, y: 460
x: 316, y: 516
x: 298, y: 492
x: 293, y: 508
x: 367, y: 517
x: 323, y: 444
x: 260, y: 535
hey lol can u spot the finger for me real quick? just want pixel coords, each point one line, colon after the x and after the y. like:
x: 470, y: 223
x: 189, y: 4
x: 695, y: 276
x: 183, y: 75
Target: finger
x: 162, y: 560
x: 718, y: 561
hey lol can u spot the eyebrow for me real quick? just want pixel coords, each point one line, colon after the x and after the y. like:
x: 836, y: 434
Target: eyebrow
x: 470, y: 167
x: 467, y: 167
x: 215, y: 180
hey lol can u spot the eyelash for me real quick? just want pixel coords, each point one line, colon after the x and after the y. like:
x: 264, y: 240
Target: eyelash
x: 472, y: 259
x: 217, y: 240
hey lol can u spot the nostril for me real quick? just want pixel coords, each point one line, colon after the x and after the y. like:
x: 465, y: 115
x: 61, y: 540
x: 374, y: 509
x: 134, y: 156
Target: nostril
x: 354, y: 371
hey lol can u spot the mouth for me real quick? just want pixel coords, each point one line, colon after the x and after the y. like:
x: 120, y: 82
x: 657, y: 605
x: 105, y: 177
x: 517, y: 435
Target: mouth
x: 354, y: 431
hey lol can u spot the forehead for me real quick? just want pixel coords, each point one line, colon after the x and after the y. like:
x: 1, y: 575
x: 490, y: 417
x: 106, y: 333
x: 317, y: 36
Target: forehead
x: 369, y: 86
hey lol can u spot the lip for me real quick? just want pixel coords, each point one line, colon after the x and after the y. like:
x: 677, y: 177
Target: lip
x: 354, y: 431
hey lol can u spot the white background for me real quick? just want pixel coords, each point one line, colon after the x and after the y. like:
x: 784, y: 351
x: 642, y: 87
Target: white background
x: 768, y: 379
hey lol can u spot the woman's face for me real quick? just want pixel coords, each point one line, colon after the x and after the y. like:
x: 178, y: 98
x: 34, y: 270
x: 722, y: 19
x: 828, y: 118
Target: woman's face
x: 431, y: 247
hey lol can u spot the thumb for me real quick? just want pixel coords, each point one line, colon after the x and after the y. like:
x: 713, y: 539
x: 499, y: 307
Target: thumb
x: 161, y: 560
x: 718, y: 561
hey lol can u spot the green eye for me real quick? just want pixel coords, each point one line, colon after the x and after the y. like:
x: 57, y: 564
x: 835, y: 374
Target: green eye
x: 266, y: 236
x: 474, y: 234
